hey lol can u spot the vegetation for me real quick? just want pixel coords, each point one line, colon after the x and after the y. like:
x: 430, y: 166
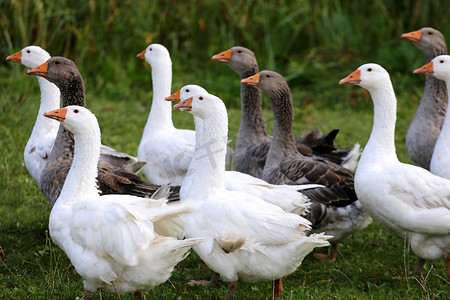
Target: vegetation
x: 312, y: 43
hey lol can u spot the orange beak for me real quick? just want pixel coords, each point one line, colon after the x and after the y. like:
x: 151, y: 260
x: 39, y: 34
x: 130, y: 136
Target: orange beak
x: 57, y: 114
x: 425, y: 69
x: 16, y: 57
x: 252, y: 80
x: 224, y: 56
x: 353, y: 78
x: 142, y: 54
x: 413, y: 36
x: 185, y: 105
x: 40, y: 70
x: 174, y: 97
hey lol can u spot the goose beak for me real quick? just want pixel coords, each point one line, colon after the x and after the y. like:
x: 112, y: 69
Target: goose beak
x: 425, y: 69
x: 252, y: 80
x: 185, y: 105
x: 57, y: 114
x: 413, y: 36
x: 353, y: 78
x: 174, y: 97
x: 16, y: 57
x: 40, y: 70
x: 224, y: 56
x: 142, y: 54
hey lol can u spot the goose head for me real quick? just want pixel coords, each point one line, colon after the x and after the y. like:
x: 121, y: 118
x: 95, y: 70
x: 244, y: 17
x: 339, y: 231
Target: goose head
x: 240, y: 59
x: 369, y: 76
x: 76, y: 119
x: 154, y: 54
x: 30, y: 56
x: 269, y: 82
x: 58, y: 70
x: 198, y: 101
x: 438, y: 67
x: 426, y: 39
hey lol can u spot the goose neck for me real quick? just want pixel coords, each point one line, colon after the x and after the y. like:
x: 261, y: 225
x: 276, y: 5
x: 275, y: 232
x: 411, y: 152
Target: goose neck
x: 73, y: 92
x: 81, y: 179
x: 50, y: 100
x: 209, y: 172
x: 161, y: 110
x: 381, y: 144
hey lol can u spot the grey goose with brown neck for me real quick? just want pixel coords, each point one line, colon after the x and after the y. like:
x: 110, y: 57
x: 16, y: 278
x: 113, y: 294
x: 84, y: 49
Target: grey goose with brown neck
x: 112, y: 179
x: 335, y: 208
x: 427, y: 123
x: 253, y: 141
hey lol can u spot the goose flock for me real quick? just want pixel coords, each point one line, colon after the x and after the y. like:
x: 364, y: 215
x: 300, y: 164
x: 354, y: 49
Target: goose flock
x: 252, y: 213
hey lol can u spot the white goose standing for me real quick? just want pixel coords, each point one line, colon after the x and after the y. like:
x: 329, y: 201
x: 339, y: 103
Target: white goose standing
x: 247, y: 239
x: 118, y: 243
x: 405, y: 199
x: 42, y: 138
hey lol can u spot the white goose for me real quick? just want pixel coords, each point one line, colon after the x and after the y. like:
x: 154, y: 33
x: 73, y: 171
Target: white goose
x: 118, y: 243
x: 405, y: 199
x: 439, y: 67
x: 42, y: 138
x: 288, y: 197
x: 247, y: 239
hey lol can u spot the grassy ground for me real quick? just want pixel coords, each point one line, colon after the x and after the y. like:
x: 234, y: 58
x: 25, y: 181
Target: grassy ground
x: 374, y: 263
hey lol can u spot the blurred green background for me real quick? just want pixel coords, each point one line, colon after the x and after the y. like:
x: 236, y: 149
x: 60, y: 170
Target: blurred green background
x: 312, y: 43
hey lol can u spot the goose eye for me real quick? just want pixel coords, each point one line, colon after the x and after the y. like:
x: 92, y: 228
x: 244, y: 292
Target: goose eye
x: 429, y: 33
x: 267, y: 76
x: 441, y: 61
x: 369, y: 70
x: 28, y: 51
x: 200, y: 98
x: 149, y: 49
x: 239, y: 51
x: 187, y: 90
x: 75, y: 111
x: 56, y: 62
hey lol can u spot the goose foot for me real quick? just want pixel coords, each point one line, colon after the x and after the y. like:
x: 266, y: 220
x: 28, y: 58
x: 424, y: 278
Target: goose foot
x: 212, y: 282
x: 2, y: 254
x: 278, y: 289
x: 418, y: 271
x: 138, y: 295
x: 86, y: 296
x: 334, y: 253
x: 232, y: 286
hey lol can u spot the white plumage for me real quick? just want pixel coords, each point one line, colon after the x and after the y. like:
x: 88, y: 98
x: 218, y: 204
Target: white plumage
x: 116, y: 242
x: 247, y: 239
x: 405, y: 199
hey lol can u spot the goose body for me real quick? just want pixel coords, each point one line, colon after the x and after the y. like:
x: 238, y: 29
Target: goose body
x: 42, y: 138
x: 424, y: 129
x: 405, y: 199
x: 167, y: 149
x: 246, y: 238
x: 112, y: 179
x: 335, y: 208
x: 253, y: 141
x: 119, y: 243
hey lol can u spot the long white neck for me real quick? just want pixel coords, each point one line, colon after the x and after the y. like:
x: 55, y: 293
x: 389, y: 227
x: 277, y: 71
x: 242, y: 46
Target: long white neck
x: 50, y: 100
x: 210, y: 154
x: 161, y: 111
x: 381, y: 144
x: 81, y: 181
x: 439, y: 158
x: 187, y: 181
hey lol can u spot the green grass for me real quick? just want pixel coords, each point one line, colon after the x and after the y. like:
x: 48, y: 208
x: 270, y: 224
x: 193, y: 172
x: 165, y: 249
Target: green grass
x: 375, y: 264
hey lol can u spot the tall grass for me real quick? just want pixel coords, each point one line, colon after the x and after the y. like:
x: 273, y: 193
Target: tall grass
x: 103, y: 36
